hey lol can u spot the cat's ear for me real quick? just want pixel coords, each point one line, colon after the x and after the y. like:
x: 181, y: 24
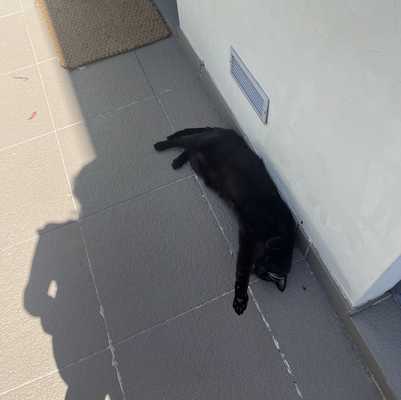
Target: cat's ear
x: 279, y: 280
x: 282, y: 283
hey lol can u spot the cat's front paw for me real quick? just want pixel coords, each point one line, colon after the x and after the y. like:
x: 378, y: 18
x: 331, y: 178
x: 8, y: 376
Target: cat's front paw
x: 240, y: 303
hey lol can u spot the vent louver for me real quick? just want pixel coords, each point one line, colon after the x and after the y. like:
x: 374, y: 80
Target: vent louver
x: 249, y: 86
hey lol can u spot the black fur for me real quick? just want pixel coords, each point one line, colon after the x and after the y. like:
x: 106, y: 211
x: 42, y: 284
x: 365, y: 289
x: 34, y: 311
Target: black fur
x: 267, y: 229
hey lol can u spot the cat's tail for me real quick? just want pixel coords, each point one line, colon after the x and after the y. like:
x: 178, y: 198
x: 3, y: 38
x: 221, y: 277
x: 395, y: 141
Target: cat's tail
x: 191, y: 139
x: 188, y: 131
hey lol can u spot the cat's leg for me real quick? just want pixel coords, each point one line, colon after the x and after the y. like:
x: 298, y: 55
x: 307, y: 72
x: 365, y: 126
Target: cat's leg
x: 163, y: 145
x: 200, y: 166
x: 189, y: 131
x: 247, y: 245
x: 184, y: 142
x: 179, y: 161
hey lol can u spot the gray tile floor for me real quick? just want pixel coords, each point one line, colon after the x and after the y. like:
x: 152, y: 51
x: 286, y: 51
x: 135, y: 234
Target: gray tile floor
x: 116, y: 271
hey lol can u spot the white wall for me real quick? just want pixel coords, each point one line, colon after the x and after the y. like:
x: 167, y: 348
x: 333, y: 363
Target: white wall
x: 333, y: 73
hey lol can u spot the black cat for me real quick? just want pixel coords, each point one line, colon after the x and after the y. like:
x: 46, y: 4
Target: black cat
x: 267, y: 229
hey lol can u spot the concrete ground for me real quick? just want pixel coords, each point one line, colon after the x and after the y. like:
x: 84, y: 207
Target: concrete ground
x: 116, y: 272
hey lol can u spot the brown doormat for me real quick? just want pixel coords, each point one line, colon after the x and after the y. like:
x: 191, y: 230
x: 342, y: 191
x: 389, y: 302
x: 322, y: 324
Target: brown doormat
x: 85, y: 31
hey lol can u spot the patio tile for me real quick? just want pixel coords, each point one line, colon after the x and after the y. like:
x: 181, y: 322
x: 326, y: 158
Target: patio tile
x: 168, y: 9
x: 311, y: 336
x: 95, y: 89
x: 191, y: 107
x: 226, y: 217
x: 24, y: 112
x: 27, y: 4
x: 379, y: 328
x: 39, y: 32
x: 34, y: 190
x: 93, y: 378
x: 167, y: 66
x: 157, y: 257
x: 9, y: 7
x: 15, y: 48
x: 50, y: 315
x: 210, y: 353
x: 112, y: 159
x: 63, y: 99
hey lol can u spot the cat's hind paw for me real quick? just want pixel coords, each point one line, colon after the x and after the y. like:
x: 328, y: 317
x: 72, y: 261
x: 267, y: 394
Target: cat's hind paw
x: 176, y: 164
x: 160, y: 146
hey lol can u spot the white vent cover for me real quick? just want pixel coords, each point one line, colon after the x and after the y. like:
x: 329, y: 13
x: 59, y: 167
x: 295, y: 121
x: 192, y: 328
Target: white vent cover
x: 249, y: 86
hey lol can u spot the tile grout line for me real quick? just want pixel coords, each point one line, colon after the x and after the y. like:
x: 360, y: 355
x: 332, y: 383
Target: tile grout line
x: 11, y: 14
x: 215, y: 217
x: 106, y: 114
x: 136, y: 197
x: 203, y: 193
x: 117, y: 204
x: 55, y: 371
x: 110, y: 346
x: 11, y: 146
x: 155, y: 94
x: 287, y: 365
x: 28, y: 382
x: 14, y: 245
x: 19, y: 69
x: 90, y: 266
x: 122, y: 341
x: 178, y: 316
x: 52, y: 121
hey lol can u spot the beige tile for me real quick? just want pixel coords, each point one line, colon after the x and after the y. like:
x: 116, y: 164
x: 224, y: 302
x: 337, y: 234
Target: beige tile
x: 39, y: 33
x: 110, y: 83
x: 34, y: 190
x: 50, y: 315
x: 15, y: 48
x: 49, y: 388
x: 90, y: 379
x: 26, y: 4
x: 61, y: 93
x: 9, y: 7
x: 93, y: 378
x: 21, y: 97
